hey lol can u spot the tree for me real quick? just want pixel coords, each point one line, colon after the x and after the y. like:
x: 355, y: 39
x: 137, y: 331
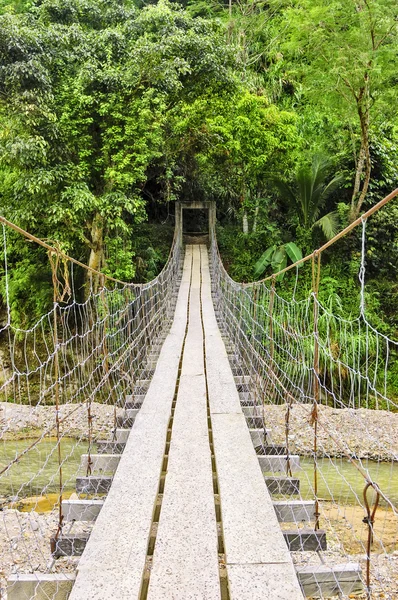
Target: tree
x: 79, y: 135
x: 249, y: 140
x: 343, y: 56
x: 86, y: 88
x: 310, y: 193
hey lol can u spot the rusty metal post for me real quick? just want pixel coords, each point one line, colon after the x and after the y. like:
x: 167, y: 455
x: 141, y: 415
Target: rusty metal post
x: 369, y: 521
x: 54, y: 263
x: 316, y: 271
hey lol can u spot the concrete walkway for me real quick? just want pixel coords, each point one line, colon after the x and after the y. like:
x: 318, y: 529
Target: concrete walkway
x: 191, y: 428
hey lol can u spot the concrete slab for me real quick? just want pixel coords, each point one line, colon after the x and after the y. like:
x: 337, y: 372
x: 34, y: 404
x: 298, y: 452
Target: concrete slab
x: 295, y: 511
x: 323, y: 581
x: 185, y: 560
x: 278, y: 463
x: 263, y: 582
x: 113, y: 562
x: 223, y: 395
x: 259, y: 565
x: 251, y: 530
x: 81, y: 510
x: 122, y: 435
x: 100, y: 463
x: 39, y: 586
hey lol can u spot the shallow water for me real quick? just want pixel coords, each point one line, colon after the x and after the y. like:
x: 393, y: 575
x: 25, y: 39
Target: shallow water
x: 340, y: 481
x: 37, y: 472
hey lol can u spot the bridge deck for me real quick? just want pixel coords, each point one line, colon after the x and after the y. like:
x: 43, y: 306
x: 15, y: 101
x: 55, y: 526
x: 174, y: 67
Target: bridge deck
x: 193, y: 394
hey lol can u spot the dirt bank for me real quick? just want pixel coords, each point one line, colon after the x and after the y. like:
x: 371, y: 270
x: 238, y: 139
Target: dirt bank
x: 22, y: 421
x: 363, y: 432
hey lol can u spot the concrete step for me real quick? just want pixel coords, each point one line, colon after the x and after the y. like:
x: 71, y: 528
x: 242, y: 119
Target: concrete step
x: 56, y: 586
x: 271, y: 450
x: 305, y: 540
x: 69, y: 545
x: 122, y: 435
x: 81, y: 510
x: 93, y: 484
x: 243, y: 387
x: 259, y: 436
x: 131, y: 413
x: 294, y: 511
x: 283, y: 485
x: 122, y: 422
x: 324, y: 581
x: 100, y: 463
x: 247, y: 399
x: 151, y: 365
x: 141, y: 385
x: 146, y: 373
x: 255, y: 422
x: 278, y: 464
x: 107, y: 447
x: 134, y: 400
x: 252, y: 410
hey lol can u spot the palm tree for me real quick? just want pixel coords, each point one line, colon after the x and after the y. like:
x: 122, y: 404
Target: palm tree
x: 310, y: 193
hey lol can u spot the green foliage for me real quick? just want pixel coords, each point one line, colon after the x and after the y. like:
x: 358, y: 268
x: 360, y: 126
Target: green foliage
x: 310, y: 194
x: 110, y: 111
x: 276, y: 257
x: 87, y: 92
x: 29, y: 283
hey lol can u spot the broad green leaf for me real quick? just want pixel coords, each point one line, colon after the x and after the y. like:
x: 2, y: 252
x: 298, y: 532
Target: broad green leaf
x: 264, y: 261
x: 278, y: 259
x: 293, y: 252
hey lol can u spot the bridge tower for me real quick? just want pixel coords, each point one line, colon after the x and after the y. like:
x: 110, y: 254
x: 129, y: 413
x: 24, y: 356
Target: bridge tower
x: 195, y: 221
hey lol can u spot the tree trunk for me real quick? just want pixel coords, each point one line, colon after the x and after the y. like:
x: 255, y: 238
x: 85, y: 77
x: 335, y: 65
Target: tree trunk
x: 364, y: 163
x: 245, y: 222
x: 358, y: 173
x: 97, y: 250
x: 368, y: 164
x: 257, y: 207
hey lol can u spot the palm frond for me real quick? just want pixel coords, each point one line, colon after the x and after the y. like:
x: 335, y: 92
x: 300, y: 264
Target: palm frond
x: 329, y: 224
x: 285, y: 190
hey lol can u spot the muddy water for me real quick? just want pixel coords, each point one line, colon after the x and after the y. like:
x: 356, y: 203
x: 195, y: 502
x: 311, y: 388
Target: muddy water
x: 37, y: 472
x: 340, y: 482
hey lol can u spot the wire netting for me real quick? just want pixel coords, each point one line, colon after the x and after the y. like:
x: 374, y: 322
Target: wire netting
x: 317, y: 388
x: 64, y: 384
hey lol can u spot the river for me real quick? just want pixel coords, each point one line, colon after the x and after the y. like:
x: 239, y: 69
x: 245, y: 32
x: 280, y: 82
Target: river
x: 36, y: 474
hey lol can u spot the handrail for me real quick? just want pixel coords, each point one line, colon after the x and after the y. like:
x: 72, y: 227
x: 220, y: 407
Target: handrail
x: 65, y: 256
x: 329, y: 243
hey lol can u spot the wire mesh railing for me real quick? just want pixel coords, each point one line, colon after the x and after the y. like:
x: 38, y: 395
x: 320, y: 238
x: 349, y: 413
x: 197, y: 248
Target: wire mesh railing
x: 321, y: 386
x: 63, y: 388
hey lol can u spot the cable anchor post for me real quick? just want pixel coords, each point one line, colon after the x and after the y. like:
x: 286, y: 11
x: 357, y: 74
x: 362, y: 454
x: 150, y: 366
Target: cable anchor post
x: 289, y: 408
x: 55, y: 259
x: 369, y: 520
x: 316, y: 275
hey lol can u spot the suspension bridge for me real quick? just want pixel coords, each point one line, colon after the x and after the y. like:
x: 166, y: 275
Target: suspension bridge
x: 208, y: 476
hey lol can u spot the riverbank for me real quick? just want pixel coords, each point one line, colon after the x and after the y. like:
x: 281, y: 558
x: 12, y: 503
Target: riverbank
x: 341, y: 432
x: 25, y: 544
x: 19, y: 421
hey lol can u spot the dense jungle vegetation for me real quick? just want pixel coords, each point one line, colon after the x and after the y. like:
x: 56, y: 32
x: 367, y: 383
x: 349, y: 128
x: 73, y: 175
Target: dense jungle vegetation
x: 283, y: 111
